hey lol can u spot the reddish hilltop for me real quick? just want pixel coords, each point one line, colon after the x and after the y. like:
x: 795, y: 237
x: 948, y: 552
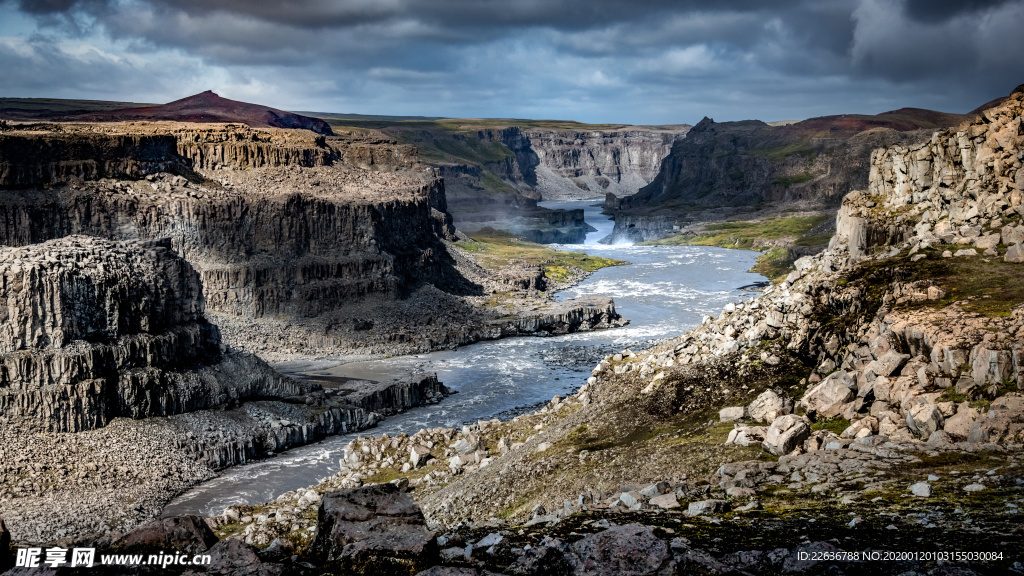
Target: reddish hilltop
x: 209, y: 107
x: 902, y: 120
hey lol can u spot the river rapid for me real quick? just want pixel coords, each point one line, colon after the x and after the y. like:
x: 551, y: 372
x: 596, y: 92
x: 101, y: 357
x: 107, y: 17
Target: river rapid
x: 663, y: 292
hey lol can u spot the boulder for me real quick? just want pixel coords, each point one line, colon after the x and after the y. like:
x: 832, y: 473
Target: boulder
x: 189, y: 534
x: 665, y: 501
x: 923, y: 419
x: 1012, y: 235
x: 959, y: 426
x: 785, y: 434
x: 886, y: 365
x: 657, y: 488
x: 707, y: 507
x: 921, y: 490
x: 1014, y: 254
x: 232, y: 556
x: 731, y: 413
x: 828, y: 398
x: 468, y: 443
x: 750, y: 435
x: 418, y: 455
x: 628, y: 549
x: 987, y: 241
x: 374, y: 529
x: 769, y: 405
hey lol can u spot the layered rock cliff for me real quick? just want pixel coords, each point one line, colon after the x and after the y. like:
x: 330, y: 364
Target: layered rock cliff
x: 278, y: 223
x: 93, y: 330
x: 578, y: 165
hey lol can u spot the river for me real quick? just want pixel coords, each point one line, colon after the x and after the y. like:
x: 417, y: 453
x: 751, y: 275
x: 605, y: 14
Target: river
x: 663, y: 292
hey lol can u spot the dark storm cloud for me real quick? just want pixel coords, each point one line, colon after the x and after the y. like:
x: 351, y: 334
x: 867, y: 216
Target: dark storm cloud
x: 602, y: 60
x: 942, y: 10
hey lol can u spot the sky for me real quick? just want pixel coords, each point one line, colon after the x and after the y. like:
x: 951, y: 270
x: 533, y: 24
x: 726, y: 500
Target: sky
x: 598, y: 61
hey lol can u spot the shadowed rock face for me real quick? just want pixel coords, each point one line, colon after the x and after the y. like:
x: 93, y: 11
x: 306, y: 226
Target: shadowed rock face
x: 375, y: 529
x: 95, y: 329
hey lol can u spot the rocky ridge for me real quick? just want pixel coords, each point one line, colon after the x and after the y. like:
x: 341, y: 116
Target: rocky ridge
x: 731, y: 169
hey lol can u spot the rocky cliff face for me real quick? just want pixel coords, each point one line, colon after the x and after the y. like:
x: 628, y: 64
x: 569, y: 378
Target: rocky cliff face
x: 40, y: 156
x: 95, y: 329
x: 278, y: 223
x: 576, y: 165
x: 962, y: 187
x: 494, y: 177
x: 726, y: 169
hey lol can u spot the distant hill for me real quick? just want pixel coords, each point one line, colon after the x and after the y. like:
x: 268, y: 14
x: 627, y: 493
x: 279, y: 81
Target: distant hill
x: 56, y: 108
x: 209, y: 107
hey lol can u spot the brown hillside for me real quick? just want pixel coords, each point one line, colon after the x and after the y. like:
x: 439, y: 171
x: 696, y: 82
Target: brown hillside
x: 209, y: 107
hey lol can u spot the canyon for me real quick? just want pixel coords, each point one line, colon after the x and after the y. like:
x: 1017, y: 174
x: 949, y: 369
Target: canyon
x: 869, y: 399
x: 866, y: 400
x: 305, y: 244
x: 495, y: 174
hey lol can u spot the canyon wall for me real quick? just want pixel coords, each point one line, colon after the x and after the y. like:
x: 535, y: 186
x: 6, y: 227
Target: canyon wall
x: 277, y: 223
x: 962, y: 186
x: 577, y: 165
x: 95, y: 329
x: 727, y: 169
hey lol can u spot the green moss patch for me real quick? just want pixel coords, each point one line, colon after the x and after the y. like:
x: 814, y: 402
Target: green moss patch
x: 497, y: 250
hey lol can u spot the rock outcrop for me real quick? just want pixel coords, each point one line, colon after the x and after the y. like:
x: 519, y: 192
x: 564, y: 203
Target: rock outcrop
x: 95, y: 329
x: 721, y: 170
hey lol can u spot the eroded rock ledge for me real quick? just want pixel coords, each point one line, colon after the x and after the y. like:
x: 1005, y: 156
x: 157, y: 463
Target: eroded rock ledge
x: 96, y: 329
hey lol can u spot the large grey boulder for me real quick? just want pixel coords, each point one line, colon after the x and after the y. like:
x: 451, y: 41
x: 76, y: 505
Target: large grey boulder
x: 785, y: 434
x: 375, y: 529
x: 629, y: 549
x: 731, y: 413
x: 886, y: 365
x: 1014, y: 254
x: 924, y: 419
x: 828, y: 398
x: 959, y: 425
x: 769, y: 405
x: 233, y: 557
x: 1012, y: 235
x: 707, y: 507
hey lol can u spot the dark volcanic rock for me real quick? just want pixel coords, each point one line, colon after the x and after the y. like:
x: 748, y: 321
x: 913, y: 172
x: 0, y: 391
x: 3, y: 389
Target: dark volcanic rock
x: 630, y: 549
x: 181, y: 534
x: 375, y: 529
x: 232, y: 557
